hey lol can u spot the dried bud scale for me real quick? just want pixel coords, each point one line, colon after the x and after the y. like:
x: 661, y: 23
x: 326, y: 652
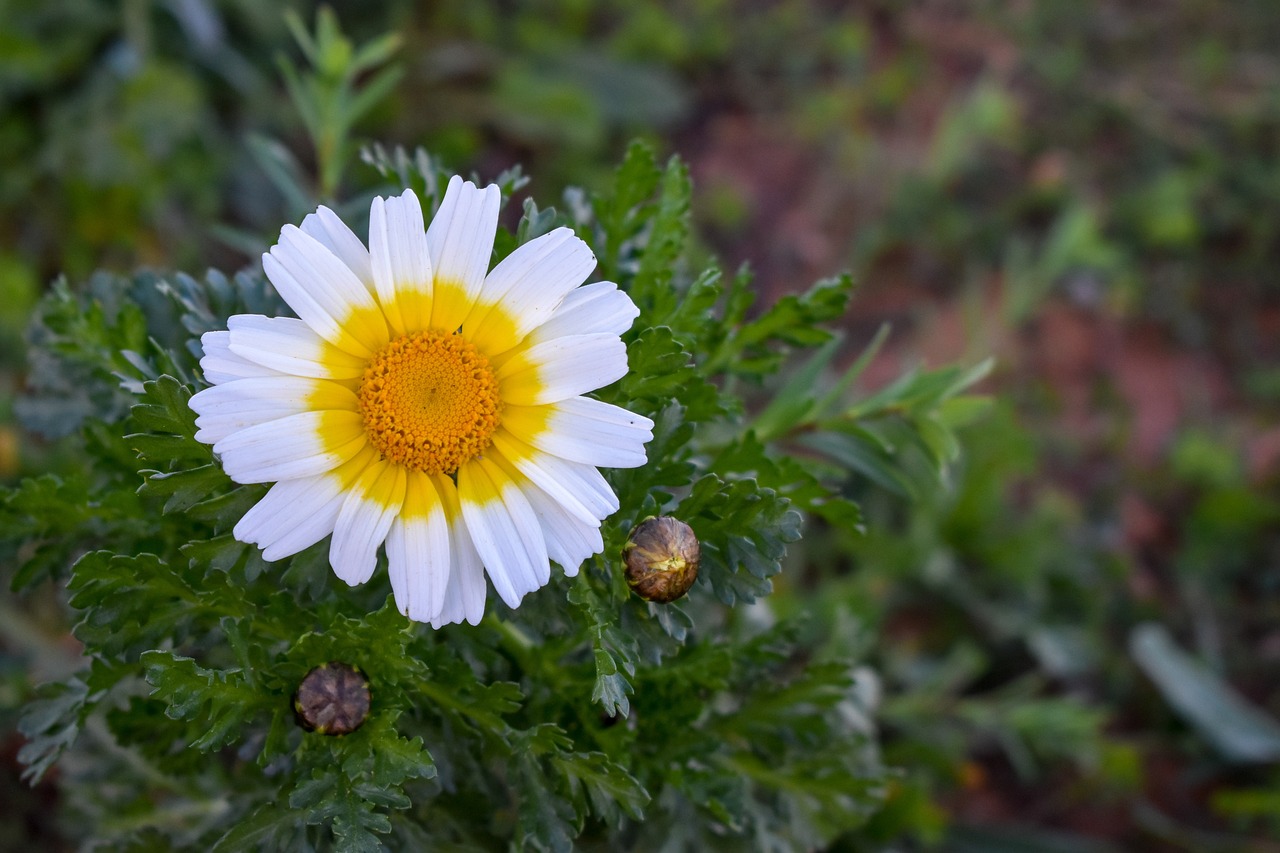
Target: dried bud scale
x: 333, y: 699
x: 661, y: 558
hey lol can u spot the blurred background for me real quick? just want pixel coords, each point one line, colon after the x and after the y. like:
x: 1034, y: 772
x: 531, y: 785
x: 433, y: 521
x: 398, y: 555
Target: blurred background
x: 1077, y: 643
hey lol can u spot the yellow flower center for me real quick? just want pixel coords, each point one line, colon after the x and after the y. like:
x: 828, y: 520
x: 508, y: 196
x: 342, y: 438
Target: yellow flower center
x: 429, y: 401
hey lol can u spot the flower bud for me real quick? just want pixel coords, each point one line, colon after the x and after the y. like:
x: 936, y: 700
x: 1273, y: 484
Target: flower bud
x: 333, y: 699
x: 661, y: 557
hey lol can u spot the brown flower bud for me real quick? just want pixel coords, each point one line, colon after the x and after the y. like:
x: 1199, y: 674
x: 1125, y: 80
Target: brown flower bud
x: 661, y: 556
x: 333, y: 699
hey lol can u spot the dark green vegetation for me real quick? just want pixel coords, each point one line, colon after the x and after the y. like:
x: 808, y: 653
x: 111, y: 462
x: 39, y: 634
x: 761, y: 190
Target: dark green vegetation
x: 1069, y: 644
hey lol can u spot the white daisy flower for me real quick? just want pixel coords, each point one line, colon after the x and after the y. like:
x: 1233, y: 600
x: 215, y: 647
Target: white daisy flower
x: 427, y: 402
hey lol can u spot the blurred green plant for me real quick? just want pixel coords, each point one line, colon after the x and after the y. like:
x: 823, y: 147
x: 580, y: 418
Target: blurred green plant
x: 328, y: 97
x: 711, y: 728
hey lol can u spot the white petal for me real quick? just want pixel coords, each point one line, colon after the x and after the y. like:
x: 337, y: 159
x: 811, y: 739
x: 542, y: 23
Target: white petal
x: 220, y: 364
x: 464, y: 598
x: 224, y: 409
x: 580, y: 488
x: 288, y: 345
x: 570, y: 540
x: 325, y: 293
x: 294, y: 514
x: 524, y: 289
x: 584, y: 430
x: 465, y: 595
x: 401, y: 265
x: 544, y: 471
x: 504, y: 530
x: 564, y: 367
x: 418, y: 551
x: 460, y: 244
x: 329, y: 229
x: 366, y: 516
x: 590, y: 309
x: 301, y: 445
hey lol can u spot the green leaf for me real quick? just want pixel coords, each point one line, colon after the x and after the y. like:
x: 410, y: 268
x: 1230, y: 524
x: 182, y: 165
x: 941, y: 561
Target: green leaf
x: 182, y: 490
x: 166, y: 408
x: 219, y: 701
x: 1237, y: 729
x: 619, y: 212
x: 795, y: 402
x: 743, y: 530
x: 863, y: 452
x: 221, y: 553
x: 130, y: 602
x: 381, y: 756
x: 76, y: 344
x: 610, y: 645
x: 547, y: 820
x: 664, y: 242
x: 268, y: 827
x: 662, y: 370
x: 50, y: 726
x: 535, y: 222
x: 920, y: 391
x: 789, y: 476
x: 47, y: 521
x: 398, y: 759
x: 668, y: 467
x: 611, y: 686
x: 608, y: 786
x: 759, y: 347
x: 282, y: 169
x: 354, y: 820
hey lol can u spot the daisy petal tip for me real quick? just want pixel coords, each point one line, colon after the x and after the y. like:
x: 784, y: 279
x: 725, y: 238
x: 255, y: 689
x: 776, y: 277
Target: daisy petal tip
x: 272, y: 555
x: 216, y: 339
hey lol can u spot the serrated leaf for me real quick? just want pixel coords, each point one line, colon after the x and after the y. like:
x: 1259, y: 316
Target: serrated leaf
x: 221, y: 552
x: 619, y: 212
x: 546, y: 821
x: 743, y: 530
x: 611, y: 687
x: 49, y: 519
x: 129, y: 601
x: 662, y: 370
x: 50, y: 726
x: 266, y: 828
x: 793, y: 479
x: 397, y: 759
x: 353, y: 818
x: 220, y: 701
x: 182, y: 490
x: 608, y: 786
x: 166, y: 408
x: 758, y: 347
x: 615, y: 653
x: 664, y: 242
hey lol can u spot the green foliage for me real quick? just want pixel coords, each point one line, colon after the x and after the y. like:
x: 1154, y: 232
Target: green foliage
x: 328, y: 98
x: 1105, y: 164
x: 586, y: 714
x: 1234, y: 727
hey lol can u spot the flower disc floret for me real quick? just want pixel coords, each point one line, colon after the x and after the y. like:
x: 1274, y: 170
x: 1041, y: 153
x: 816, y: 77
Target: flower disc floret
x: 430, y: 402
